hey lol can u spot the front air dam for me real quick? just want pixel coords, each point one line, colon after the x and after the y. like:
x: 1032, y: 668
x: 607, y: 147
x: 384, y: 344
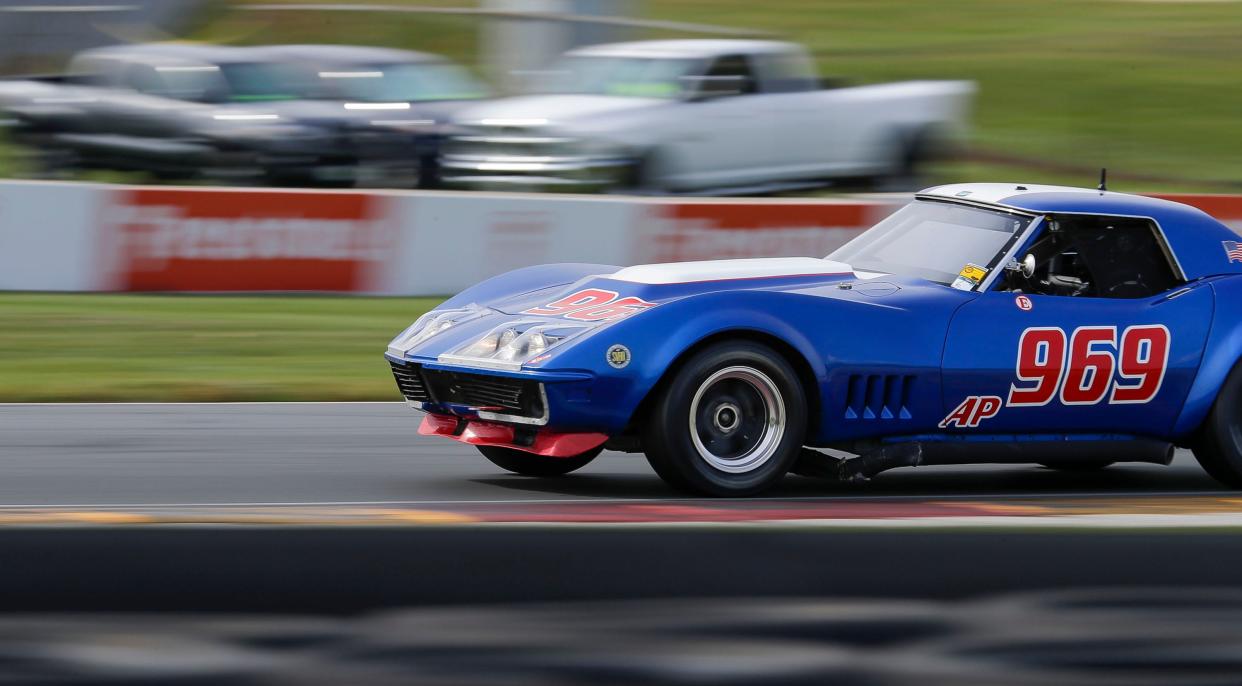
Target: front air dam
x: 538, y: 441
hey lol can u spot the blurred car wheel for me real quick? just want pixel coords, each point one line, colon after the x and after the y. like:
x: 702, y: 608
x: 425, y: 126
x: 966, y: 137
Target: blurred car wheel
x: 642, y: 176
x: 530, y: 464
x: 917, y: 154
x: 730, y: 423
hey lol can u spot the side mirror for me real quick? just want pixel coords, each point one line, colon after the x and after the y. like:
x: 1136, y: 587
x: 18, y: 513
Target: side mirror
x: 1026, y: 266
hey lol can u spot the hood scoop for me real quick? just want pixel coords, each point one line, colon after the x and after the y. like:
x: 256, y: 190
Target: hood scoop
x: 721, y: 270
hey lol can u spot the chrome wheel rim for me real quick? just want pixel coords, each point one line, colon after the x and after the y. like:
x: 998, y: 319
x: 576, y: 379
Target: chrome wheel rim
x: 737, y: 419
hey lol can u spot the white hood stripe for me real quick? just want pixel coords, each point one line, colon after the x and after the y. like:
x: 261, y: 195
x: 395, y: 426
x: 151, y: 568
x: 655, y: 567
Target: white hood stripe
x: 720, y: 270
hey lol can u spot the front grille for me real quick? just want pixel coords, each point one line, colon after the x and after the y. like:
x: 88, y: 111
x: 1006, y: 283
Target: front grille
x: 410, y: 382
x: 491, y: 393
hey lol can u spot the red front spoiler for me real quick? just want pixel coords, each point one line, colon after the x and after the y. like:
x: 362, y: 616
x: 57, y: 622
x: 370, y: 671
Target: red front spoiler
x: 478, y: 432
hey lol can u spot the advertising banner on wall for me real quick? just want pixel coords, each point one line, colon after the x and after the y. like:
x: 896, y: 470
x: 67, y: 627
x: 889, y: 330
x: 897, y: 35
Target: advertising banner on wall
x: 720, y: 230
x: 95, y: 237
x: 235, y: 240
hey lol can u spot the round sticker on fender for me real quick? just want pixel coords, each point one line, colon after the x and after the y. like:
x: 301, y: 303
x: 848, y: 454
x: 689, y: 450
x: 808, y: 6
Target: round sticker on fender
x: 618, y: 356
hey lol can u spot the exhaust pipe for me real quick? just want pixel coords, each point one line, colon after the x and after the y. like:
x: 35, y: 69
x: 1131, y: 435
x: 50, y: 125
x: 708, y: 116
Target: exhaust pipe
x: 920, y: 453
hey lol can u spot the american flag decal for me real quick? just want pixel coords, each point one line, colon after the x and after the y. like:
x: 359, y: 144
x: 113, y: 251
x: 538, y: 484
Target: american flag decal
x: 1233, y: 249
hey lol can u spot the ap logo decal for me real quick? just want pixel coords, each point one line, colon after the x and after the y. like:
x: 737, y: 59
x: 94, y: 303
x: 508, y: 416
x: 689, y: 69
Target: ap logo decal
x: 974, y: 409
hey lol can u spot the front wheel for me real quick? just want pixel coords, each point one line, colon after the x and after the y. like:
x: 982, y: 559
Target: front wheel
x: 730, y: 422
x: 530, y: 464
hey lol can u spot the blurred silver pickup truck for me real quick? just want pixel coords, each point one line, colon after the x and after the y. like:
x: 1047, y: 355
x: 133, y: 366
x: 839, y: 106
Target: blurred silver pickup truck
x: 700, y: 116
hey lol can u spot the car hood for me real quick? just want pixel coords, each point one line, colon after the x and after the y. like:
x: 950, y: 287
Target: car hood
x: 550, y: 110
x: 673, y: 281
x: 618, y: 295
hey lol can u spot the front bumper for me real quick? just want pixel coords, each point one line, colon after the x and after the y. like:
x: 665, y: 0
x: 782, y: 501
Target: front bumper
x: 488, y: 410
x: 573, y: 400
x: 533, y: 172
x: 541, y: 442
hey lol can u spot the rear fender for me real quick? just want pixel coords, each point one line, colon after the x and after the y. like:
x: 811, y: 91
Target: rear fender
x: 1221, y: 352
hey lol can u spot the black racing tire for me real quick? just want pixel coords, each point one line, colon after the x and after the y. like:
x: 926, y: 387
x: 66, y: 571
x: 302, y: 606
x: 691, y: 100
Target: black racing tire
x: 730, y: 422
x: 1218, y: 445
x: 1094, y: 466
x: 530, y: 464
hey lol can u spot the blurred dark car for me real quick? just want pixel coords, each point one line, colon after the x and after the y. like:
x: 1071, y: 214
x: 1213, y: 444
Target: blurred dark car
x: 367, y: 94
x: 290, y: 115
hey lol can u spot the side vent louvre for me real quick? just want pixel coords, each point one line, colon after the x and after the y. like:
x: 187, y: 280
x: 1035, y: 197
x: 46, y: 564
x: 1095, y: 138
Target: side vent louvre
x: 878, y: 396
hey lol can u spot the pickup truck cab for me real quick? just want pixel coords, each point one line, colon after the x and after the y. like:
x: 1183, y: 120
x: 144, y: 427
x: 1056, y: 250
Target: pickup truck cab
x: 693, y: 115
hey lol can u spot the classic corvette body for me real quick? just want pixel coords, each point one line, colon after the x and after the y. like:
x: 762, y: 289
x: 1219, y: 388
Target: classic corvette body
x: 980, y: 323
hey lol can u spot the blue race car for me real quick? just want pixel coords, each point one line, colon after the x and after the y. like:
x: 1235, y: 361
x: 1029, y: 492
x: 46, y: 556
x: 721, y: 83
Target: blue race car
x: 980, y: 323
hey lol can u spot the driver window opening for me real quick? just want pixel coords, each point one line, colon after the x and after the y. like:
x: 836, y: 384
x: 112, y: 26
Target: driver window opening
x: 730, y: 75
x: 1097, y: 257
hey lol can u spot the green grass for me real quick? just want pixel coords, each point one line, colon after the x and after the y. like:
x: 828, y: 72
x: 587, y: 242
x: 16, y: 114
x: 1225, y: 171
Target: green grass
x: 452, y: 35
x: 198, y: 348
x: 10, y: 162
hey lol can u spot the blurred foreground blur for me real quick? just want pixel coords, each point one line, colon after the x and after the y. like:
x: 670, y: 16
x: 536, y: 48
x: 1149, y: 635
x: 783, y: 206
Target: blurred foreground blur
x: 1091, y: 637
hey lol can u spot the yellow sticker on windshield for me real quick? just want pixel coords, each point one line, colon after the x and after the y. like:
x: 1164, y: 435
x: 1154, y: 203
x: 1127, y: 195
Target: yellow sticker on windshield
x: 970, y: 276
x: 973, y: 273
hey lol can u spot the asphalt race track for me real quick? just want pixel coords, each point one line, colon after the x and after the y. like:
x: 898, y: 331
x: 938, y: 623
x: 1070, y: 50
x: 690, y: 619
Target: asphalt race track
x: 178, y: 506
x: 329, y: 543
x: 370, y: 454
x: 329, y: 489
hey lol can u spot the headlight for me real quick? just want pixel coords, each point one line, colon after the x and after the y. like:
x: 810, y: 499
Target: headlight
x: 432, y: 323
x: 511, y: 345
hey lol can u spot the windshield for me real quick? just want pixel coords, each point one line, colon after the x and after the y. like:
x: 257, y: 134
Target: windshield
x: 401, y: 82
x: 260, y: 81
x: 933, y: 240
x: 636, y: 77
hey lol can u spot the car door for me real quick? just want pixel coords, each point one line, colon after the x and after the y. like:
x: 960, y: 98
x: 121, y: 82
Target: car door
x: 1104, y: 337
x: 723, y: 136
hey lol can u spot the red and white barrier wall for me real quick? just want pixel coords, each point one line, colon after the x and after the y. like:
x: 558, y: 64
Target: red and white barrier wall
x: 87, y: 237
